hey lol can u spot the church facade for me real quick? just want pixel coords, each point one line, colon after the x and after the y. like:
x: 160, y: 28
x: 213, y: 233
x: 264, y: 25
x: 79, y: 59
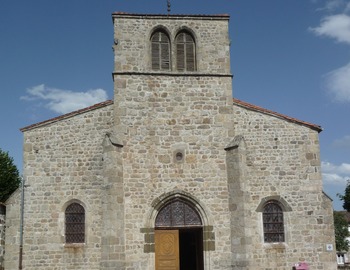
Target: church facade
x: 173, y: 173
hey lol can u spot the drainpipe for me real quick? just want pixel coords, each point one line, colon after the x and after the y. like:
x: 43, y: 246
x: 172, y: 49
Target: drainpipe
x: 21, y: 226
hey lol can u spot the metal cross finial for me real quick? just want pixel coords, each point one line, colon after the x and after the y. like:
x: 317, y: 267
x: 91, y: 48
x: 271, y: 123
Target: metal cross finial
x: 169, y: 6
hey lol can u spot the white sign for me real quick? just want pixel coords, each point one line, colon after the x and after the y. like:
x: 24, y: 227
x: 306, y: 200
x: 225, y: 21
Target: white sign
x: 329, y: 247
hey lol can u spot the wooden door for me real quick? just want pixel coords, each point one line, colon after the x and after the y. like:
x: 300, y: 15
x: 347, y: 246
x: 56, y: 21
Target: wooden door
x: 167, y: 249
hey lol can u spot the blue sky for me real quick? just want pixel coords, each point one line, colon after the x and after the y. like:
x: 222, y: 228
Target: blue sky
x: 290, y: 56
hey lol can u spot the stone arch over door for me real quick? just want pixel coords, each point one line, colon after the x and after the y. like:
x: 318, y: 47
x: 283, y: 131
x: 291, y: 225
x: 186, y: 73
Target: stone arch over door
x: 182, y: 212
x: 178, y: 213
x: 163, y: 200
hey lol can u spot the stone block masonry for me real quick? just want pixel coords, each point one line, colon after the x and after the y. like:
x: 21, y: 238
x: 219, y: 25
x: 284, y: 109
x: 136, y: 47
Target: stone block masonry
x: 63, y: 162
x: 2, y: 235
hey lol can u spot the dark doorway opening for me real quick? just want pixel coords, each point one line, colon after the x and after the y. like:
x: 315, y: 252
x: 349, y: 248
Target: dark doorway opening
x: 191, y: 248
x: 178, y: 237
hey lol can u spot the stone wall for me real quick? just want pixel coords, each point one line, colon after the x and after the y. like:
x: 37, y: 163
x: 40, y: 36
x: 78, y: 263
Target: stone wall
x: 2, y: 234
x: 63, y: 162
x: 187, y: 115
x: 279, y: 159
x: 12, y: 230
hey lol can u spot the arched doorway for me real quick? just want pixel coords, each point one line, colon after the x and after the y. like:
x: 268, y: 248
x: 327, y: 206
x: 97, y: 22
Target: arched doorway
x: 178, y: 237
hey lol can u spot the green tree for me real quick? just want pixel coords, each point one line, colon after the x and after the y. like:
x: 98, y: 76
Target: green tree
x: 9, y: 176
x: 341, y: 231
x: 346, y: 197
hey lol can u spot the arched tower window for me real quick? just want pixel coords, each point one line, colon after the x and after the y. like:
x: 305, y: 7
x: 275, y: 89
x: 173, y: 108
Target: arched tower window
x: 160, y: 51
x: 185, y: 52
x: 273, y: 222
x: 75, y: 223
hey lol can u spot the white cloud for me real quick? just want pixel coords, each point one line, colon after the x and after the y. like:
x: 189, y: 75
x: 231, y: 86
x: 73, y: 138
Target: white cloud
x: 64, y: 101
x: 335, y: 26
x: 332, y: 5
x: 338, y: 83
x: 335, y: 174
x: 335, y: 179
x: 343, y: 168
x: 342, y: 142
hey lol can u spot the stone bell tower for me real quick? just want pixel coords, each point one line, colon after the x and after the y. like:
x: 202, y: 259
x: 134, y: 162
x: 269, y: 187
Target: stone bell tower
x: 173, y: 116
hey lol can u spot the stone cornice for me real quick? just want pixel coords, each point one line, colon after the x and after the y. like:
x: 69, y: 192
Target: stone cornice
x: 172, y: 74
x: 127, y: 15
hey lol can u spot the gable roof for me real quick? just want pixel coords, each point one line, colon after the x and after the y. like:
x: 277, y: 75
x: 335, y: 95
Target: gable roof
x: 237, y: 102
x: 68, y: 115
x: 252, y: 107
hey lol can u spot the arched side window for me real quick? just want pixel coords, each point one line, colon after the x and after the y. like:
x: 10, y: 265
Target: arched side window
x: 160, y: 51
x: 273, y: 222
x: 185, y: 52
x: 75, y: 223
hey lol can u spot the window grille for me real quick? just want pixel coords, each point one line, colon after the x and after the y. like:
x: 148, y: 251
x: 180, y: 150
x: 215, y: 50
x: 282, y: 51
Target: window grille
x: 185, y: 52
x: 273, y: 222
x: 160, y: 51
x: 178, y: 214
x: 75, y: 223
